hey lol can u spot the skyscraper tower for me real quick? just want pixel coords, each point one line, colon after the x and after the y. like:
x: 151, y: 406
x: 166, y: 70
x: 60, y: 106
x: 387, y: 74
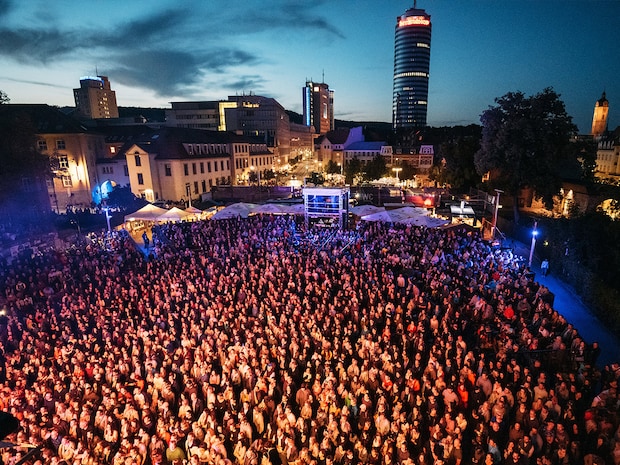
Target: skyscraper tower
x: 412, y: 55
x: 95, y: 98
x: 599, y: 120
x: 318, y: 104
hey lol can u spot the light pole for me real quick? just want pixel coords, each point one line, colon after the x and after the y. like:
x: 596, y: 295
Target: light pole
x: 397, y: 170
x: 497, y: 207
x: 106, y: 210
x: 534, y: 234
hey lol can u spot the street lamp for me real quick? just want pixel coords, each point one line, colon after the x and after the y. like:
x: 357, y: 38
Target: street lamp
x: 397, y: 170
x: 534, y: 234
x: 497, y: 207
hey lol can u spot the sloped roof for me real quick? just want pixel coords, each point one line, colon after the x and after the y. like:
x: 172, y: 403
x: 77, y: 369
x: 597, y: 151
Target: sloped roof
x: 167, y: 142
x: 338, y: 136
x: 369, y: 146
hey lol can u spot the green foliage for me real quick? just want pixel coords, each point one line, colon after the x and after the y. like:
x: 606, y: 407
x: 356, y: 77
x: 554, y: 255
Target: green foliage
x: 353, y: 168
x: 408, y: 171
x: 332, y: 167
x: 526, y: 142
x: 376, y: 168
x: 456, y: 163
x: 583, y: 251
x: 4, y: 98
x: 123, y: 198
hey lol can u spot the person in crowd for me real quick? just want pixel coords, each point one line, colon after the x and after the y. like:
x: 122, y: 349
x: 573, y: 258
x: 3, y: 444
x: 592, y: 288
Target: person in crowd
x: 257, y: 340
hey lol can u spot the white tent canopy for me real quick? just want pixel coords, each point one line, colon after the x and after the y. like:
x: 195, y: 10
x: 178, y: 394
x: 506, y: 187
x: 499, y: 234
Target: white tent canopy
x: 149, y: 212
x: 363, y: 210
x: 406, y: 215
x: 174, y: 214
x: 236, y: 210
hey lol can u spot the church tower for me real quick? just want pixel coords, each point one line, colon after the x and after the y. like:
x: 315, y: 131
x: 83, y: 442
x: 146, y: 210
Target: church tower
x: 599, y: 121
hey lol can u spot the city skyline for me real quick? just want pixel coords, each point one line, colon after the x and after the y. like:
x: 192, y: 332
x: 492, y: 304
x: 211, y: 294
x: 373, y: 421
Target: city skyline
x: 157, y: 52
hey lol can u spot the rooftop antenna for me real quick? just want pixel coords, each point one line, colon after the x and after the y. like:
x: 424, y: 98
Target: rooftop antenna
x: 415, y: 3
x: 323, y: 77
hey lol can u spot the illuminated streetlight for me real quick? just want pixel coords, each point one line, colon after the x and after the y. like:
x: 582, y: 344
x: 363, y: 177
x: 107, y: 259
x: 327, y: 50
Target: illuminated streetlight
x: 397, y: 170
x: 534, y: 234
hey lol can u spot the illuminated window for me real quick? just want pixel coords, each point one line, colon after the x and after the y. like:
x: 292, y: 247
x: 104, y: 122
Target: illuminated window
x: 66, y: 181
x: 112, y: 149
x: 63, y: 162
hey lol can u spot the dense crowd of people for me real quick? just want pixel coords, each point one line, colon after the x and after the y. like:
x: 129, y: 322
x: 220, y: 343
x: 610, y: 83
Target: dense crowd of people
x: 255, y: 341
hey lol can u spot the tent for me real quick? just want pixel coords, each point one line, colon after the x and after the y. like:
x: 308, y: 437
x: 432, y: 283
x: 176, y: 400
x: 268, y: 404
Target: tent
x: 363, y: 210
x: 406, y: 215
x: 174, y: 214
x: 236, y: 210
x: 269, y: 209
x: 149, y: 212
x: 295, y: 209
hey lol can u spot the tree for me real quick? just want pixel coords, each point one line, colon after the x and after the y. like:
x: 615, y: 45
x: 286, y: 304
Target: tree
x: 376, y: 168
x: 353, y: 168
x: 525, y: 141
x: 457, y: 168
x: 23, y: 169
x: 332, y: 167
x: 4, y: 98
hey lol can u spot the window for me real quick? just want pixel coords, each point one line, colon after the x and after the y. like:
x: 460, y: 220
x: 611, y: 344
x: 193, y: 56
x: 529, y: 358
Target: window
x: 195, y: 187
x: 209, y: 166
x: 66, y: 181
x: 140, y: 179
x: 186, y: 169
x: 222, y: 165
x: 108, y: 170
x: 125, y: 170
x: 63, y: 162
x: 168, y: 169
x: 202, y: 167
x: 215, y: 165
x: 42, y: 145
x: 60, y: 144
x: 204, y: 186
x: 187, y: 189
x: 193, y: 168
x: 112, y: 149
x: 138, y: 161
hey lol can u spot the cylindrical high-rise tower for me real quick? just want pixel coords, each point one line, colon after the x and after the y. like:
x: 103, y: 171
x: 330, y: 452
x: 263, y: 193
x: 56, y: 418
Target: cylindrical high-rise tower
x: 412, y: 56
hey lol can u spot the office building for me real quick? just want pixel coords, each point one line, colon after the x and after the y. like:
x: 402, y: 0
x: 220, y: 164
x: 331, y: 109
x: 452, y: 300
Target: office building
x: 412, y: 54
x: 318, y: 105
x: 95, y: 99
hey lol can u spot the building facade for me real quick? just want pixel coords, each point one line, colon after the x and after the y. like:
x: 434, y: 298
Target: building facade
x: 599, y: 119
x: 412, y: 53
x: 248, y: 115
x: 608, y: 157
x: 180, y: 164
x: 318, y: 107
x: 95, y: 99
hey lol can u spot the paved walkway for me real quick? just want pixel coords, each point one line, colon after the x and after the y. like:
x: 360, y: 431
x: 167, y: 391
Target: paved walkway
x: 570, y: 306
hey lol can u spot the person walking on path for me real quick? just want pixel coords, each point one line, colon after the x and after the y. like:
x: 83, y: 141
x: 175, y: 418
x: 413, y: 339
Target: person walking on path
x: 544, y: 267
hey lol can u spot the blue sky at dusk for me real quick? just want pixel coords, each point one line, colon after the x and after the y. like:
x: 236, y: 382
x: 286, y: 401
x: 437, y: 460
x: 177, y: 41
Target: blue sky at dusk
x: 159, y: 51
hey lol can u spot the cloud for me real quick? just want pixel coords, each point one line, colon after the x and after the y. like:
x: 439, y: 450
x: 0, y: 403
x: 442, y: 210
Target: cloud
x: 169, y: 51
x: 173, y: 72
x: 36, y: 83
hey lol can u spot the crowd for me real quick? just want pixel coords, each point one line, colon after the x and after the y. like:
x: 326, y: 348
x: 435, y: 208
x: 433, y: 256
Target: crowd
x: 256, y: 341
